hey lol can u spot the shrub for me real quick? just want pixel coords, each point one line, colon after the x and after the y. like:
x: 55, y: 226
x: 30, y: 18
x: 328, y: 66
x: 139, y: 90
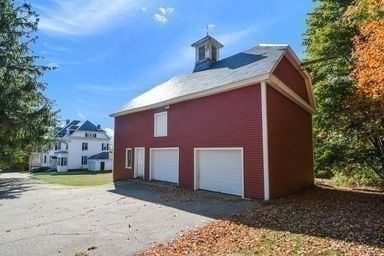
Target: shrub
x: 40, y: 169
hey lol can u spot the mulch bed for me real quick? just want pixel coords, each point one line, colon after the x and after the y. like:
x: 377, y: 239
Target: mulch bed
x: 320, y: 221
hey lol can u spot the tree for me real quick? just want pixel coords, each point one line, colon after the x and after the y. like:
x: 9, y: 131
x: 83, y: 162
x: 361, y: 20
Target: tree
x: 26, y: 114
x: 329, y: 37
x: 367, y: 104
x: 349, y: 123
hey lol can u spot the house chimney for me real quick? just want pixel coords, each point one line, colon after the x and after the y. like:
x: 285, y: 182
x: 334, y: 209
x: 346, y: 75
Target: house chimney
x: 207, y: 53
x: 67, y: 121
x: 98, y: 127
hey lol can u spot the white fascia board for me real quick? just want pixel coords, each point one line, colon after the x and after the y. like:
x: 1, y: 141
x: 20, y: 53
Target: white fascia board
x: 212, y: 91
x: 284, y: 89
x: 296, y: 62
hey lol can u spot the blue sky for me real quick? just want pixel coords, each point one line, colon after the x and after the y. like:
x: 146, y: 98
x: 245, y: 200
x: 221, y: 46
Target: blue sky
x: 108, y: 52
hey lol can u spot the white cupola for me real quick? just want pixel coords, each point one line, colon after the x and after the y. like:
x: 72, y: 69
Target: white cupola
x: 207, y: 52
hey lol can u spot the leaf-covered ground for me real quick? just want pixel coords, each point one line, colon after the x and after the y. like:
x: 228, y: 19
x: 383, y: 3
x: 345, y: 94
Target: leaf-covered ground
x: 320, y: 221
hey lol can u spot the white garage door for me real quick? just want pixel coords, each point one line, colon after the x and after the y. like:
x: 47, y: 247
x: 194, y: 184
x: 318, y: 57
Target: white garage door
x: 220, y: 170
x: 165, y: 164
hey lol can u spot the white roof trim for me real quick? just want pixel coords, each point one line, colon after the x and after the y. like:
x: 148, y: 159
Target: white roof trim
x: 200, y: 94
x: 281, y: 87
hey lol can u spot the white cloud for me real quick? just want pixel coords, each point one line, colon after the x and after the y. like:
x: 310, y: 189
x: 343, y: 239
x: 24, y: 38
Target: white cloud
x: 102, y: 88
x: 89, y: 104
x: 233, y: 37
x: 163, y: 14
x: 81, y: 116
x: 53, y: 65
x: 160, y: 18
x: 83, y: 17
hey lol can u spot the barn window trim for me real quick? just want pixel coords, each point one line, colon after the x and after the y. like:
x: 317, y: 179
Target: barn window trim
x: 158, y: 125
x: 128, y: 158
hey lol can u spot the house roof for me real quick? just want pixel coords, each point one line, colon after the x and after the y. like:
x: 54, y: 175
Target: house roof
x: 76, y: 125
x: 257, y: 62
x: 88, y: 126
x: 100, y: 156
x: 207, y: 38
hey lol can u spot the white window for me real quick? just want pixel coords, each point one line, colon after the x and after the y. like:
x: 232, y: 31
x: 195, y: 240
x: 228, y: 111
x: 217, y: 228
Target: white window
x: 58, y: 146
x: 128, y: 158
x: 104, y: 146
x: 84, y: 160
x: 62, y: 161
x: 84, y: 146
x: 161, y: 124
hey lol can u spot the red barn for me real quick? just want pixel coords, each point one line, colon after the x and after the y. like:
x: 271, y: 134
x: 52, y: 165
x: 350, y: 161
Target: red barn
x: 241, y: 125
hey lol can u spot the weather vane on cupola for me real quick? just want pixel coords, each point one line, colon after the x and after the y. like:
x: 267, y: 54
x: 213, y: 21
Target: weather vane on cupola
x: 210, y: 26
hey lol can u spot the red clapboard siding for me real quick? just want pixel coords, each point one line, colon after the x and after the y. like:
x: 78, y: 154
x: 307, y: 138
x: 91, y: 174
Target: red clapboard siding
x: 290, y: 145
x: 229, y: 119
x: 286, y: 72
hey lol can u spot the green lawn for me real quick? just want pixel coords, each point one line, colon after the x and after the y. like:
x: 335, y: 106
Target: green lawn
x: 75, y: 179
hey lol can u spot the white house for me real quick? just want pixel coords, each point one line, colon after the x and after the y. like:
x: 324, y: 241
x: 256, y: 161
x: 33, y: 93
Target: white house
x: 75, y: 143
x: 100, y: 162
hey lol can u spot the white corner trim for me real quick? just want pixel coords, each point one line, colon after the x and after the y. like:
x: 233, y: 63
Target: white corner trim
x: 264, y: 121
x: 284, y: 89
x: 195, y: 185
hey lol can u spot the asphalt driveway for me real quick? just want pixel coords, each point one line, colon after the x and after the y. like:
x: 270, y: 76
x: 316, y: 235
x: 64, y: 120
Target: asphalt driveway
x: 122, y: 218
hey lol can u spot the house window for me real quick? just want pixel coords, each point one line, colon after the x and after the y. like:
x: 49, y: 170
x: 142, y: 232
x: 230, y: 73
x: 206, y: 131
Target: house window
x: 45, y: 159
x: 84, y: 146
x: 94, y: 135
x: 86, y: 135
x: 201, y: 52
x: 214, y: 53
x: 104, y: 146
x: 62, y: 161
x: 84, y: 160
x: 128, y: 158
x: 58, y: 146
x: 161, y: 124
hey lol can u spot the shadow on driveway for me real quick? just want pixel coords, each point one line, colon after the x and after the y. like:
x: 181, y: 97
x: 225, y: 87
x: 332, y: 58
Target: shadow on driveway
x: 204, y: 203
x: 11, y: 188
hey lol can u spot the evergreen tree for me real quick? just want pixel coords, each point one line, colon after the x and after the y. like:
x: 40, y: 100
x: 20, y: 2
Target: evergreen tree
x: 26, y: 114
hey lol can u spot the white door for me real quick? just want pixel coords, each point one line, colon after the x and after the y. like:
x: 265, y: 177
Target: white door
x: 165, y: 164
x: 139, y: 162
x: 219, y: 170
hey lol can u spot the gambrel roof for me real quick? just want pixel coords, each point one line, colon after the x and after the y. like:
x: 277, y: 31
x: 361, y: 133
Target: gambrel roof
x: 242, y: 69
